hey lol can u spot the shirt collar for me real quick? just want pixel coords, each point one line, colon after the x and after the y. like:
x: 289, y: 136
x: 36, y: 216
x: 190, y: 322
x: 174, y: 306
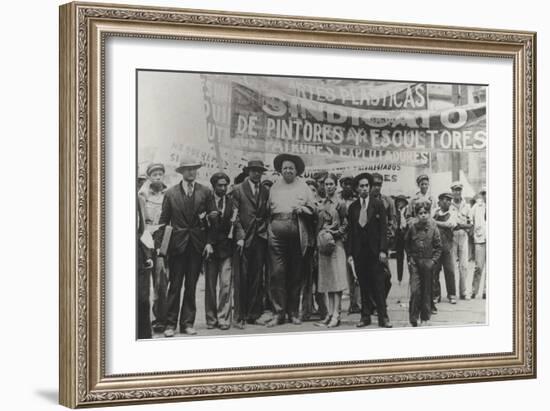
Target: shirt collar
x: 253, y: 185
x: 185, y: 184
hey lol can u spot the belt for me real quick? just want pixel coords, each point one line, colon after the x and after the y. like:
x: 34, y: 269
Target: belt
x: 283, y: 216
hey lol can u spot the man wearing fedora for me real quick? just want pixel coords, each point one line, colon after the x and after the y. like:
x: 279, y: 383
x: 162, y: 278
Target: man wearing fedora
x: 367, y: 248
x: 218, y: 266
x: 291, y: 206
x: 250, y: 199
x: 186, y: 207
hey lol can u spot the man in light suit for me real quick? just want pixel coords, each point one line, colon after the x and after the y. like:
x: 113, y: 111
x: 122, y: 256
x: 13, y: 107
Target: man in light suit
x: 185, y: 207
x: 250, y: 199
x: 367, y: 248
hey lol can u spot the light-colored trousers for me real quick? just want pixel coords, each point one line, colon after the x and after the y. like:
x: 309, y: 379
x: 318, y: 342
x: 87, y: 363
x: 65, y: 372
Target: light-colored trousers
x: 460, y: 253
x: 218, y: 272
x: 480, y: 256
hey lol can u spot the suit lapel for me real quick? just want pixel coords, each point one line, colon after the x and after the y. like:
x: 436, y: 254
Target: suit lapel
x: 183, y: 203
x: 248, y: 191
x: 197, y: 193
x: 370, y: 209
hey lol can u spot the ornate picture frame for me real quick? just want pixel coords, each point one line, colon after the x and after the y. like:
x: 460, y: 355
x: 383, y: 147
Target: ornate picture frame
x: 84, y: 29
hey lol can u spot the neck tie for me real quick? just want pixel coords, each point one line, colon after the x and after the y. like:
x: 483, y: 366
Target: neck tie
x: 363, y: 213
x: 189, y: 189
x: 220, y: 204
x: 256, y: 191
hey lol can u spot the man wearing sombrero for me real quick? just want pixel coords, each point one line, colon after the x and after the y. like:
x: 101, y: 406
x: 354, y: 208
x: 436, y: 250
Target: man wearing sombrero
x: 186, y: 206
x: 291, y: 204
x: 367, y: 248
x: 250, y: 199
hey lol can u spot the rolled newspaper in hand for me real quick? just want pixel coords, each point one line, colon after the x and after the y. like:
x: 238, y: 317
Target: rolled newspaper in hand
x: 233, y: 220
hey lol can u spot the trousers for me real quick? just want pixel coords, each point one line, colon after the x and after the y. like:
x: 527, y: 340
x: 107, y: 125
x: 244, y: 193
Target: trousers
x: 480, y: 256
x: 460, y: 254
x: 373, y: 284
x: 248, y: 282
x: 421, y: 279
x: 447, y: 264
x: 218, y: 310
x: 285, y: 280
x: 184, y: 271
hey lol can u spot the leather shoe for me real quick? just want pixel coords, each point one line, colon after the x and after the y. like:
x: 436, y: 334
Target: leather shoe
x: 255, y: 322
x: 241, y: 324
x: 169, y: 332
x: 211, y: 326
x: 385, y: 324
x: 364, y: 322
x: 189, y: 331
x: 223, y: 327
x: 295, y: 321
x: 273, y: 322
x: 414, y: 323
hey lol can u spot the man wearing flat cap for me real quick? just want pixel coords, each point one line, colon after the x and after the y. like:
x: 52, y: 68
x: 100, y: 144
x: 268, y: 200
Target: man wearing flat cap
x: 218, y: 266
x: 445, y: 219
x: 152, y: 193
x: 250, y: 199
x: 291, y: 205
x: 479, y: 221
x: 185, y: 207
x: 423, y: 183
x: 460, y: 237
x: 367, y: 248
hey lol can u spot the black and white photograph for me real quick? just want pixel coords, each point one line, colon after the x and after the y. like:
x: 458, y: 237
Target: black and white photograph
x: 274, y: 204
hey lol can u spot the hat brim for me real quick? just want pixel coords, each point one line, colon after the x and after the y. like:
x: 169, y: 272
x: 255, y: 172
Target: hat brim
x: 297, y: 160
x: 188, y: 167
x: 361, y: 176
x: 246, y: 169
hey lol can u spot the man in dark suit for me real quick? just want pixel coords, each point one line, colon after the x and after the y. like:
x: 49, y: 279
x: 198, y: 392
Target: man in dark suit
x: 218, y: 311
x: 367, y: 248
x: 250, y: 199
x: 185, y: 207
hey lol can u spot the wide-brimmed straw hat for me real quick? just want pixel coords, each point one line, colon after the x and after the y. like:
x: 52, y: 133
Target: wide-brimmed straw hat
x: 297, y: 160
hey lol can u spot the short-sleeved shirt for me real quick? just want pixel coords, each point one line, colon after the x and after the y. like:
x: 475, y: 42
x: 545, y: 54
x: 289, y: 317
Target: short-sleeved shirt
x: 284, y: 197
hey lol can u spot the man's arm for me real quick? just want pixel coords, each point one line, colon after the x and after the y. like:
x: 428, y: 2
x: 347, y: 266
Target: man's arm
x: 436, y: 245
x: 383, y: 233
x: 164, y: 220
x: 450, y: 223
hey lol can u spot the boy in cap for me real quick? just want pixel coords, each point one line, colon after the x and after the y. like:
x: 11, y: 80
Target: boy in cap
x: 423, y: 245
x: 460, y: 236
x: 152, y: 193
x: 445, y: 219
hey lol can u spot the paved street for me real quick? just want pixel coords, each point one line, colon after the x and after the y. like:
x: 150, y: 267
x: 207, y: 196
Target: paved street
x: 464, y: 312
